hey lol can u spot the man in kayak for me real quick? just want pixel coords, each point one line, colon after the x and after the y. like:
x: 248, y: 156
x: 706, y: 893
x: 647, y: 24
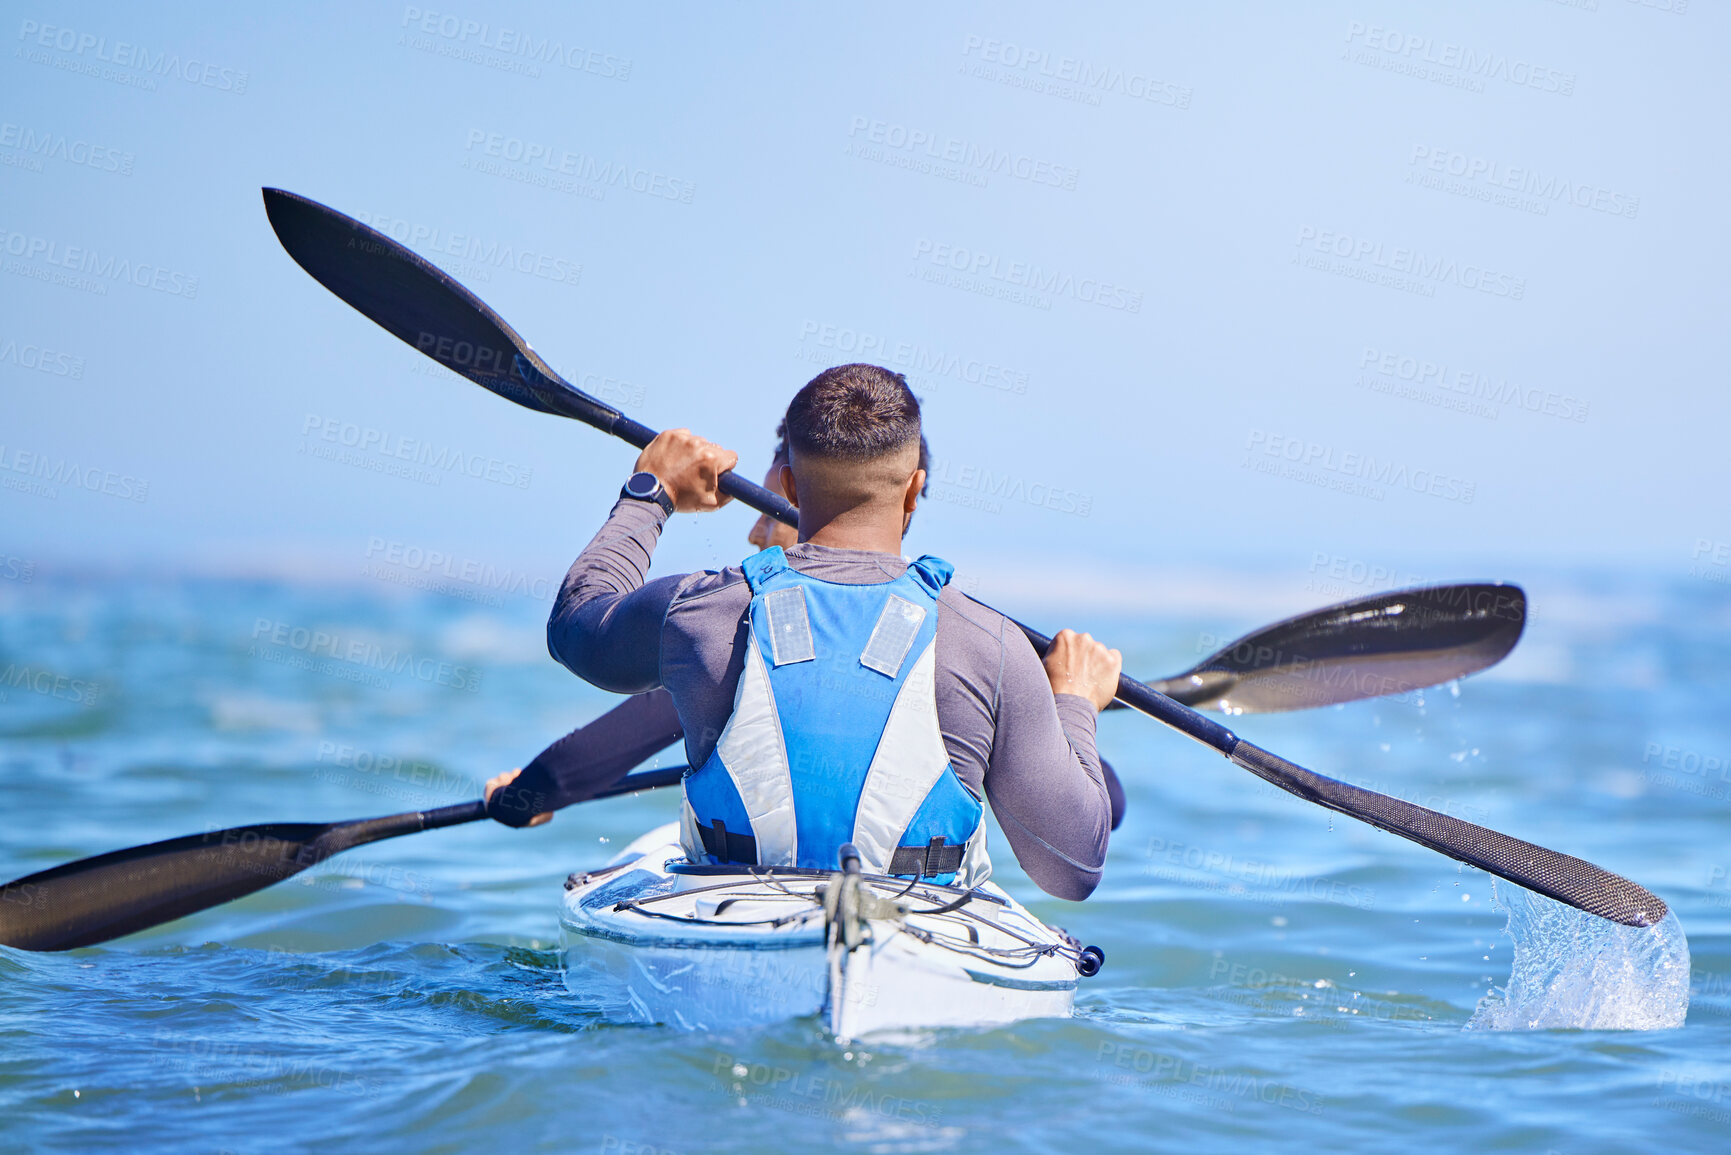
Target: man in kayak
x: 832, y: 692
x: 596, y: 756
x: 599, y: 754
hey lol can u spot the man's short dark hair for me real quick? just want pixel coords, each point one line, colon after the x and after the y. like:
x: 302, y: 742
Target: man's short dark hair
x: 781, y: 426
x: 853, y: 413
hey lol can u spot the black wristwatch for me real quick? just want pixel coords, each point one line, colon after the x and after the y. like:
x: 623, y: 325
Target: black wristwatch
x: 645, y: 486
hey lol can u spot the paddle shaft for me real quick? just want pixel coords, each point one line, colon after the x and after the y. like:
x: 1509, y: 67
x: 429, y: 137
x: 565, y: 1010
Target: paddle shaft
x: 461, y: 812
x: 396, y: 825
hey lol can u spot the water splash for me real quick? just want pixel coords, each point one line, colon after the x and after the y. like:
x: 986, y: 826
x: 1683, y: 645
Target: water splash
x: 1575, y: 971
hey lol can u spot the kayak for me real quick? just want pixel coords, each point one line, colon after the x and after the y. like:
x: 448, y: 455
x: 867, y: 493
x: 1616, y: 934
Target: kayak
x: 655, y: 938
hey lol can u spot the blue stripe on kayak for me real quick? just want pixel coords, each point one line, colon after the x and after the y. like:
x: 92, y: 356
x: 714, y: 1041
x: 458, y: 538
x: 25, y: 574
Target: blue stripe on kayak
x: 1021, y: 984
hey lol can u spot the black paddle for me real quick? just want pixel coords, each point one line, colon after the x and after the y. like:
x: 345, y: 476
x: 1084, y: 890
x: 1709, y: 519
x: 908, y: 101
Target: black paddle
x: 422, y: 305
x: 106, y: 896
x: 1386, y: 643
x: 96, y: 899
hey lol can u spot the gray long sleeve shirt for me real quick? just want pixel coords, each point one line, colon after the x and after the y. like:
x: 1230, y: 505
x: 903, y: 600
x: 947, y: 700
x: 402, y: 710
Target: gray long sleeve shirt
x: 1030, y: 754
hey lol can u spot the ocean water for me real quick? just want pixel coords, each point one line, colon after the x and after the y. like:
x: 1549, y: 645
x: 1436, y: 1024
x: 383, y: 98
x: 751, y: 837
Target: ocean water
x: 1275, y: 975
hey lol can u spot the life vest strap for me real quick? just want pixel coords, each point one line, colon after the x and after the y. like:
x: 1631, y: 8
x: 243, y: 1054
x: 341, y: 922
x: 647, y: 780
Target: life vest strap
x: 721, y: 843
x: 928, y: 860
x: 761, y: 566
x: 934, y: 858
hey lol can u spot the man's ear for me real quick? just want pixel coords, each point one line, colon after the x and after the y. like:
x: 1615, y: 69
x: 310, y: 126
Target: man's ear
x: 787, y: 485
x: 911, y: 498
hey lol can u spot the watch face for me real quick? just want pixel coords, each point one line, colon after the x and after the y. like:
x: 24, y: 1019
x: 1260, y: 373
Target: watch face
x: 642, y: 485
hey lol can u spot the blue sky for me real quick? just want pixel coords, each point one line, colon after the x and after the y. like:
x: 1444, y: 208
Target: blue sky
x: 1268, y: 288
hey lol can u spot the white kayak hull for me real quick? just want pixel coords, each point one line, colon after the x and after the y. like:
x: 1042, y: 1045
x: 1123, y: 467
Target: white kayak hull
x: 647, y: 942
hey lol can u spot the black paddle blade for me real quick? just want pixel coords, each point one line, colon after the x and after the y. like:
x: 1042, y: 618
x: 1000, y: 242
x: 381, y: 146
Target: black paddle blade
x: 421, y: 305
x: 1563, y: 877
x: 97, y: 899
x: 1384, y: 644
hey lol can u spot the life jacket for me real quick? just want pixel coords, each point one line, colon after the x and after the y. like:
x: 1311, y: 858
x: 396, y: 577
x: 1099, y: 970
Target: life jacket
x: 834, y: 734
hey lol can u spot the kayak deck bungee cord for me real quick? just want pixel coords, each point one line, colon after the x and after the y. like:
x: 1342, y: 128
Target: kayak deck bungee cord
x: 653, y: 938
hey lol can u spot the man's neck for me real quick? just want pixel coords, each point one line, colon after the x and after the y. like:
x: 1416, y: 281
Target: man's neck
x: 872, y: 530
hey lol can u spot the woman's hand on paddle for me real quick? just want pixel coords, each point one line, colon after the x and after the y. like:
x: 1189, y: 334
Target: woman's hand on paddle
x: 501, y: 781
x: 690, y: 469
x: 1077, y: 664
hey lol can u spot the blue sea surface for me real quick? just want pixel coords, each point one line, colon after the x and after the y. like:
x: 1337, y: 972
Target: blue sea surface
x: 1276, y: 976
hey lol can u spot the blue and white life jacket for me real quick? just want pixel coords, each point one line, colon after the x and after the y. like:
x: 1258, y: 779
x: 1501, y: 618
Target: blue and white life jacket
x: 834, y: 734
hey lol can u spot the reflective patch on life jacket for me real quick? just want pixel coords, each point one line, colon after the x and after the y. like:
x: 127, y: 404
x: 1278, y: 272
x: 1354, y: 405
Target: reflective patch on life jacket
x: 789, y: 626
x: 897, y: 627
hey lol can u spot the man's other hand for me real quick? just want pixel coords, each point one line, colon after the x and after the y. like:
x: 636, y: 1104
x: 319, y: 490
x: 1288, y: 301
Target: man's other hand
x: 502, y: 782
x: 1077, y: 664
x: 689, y: 469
